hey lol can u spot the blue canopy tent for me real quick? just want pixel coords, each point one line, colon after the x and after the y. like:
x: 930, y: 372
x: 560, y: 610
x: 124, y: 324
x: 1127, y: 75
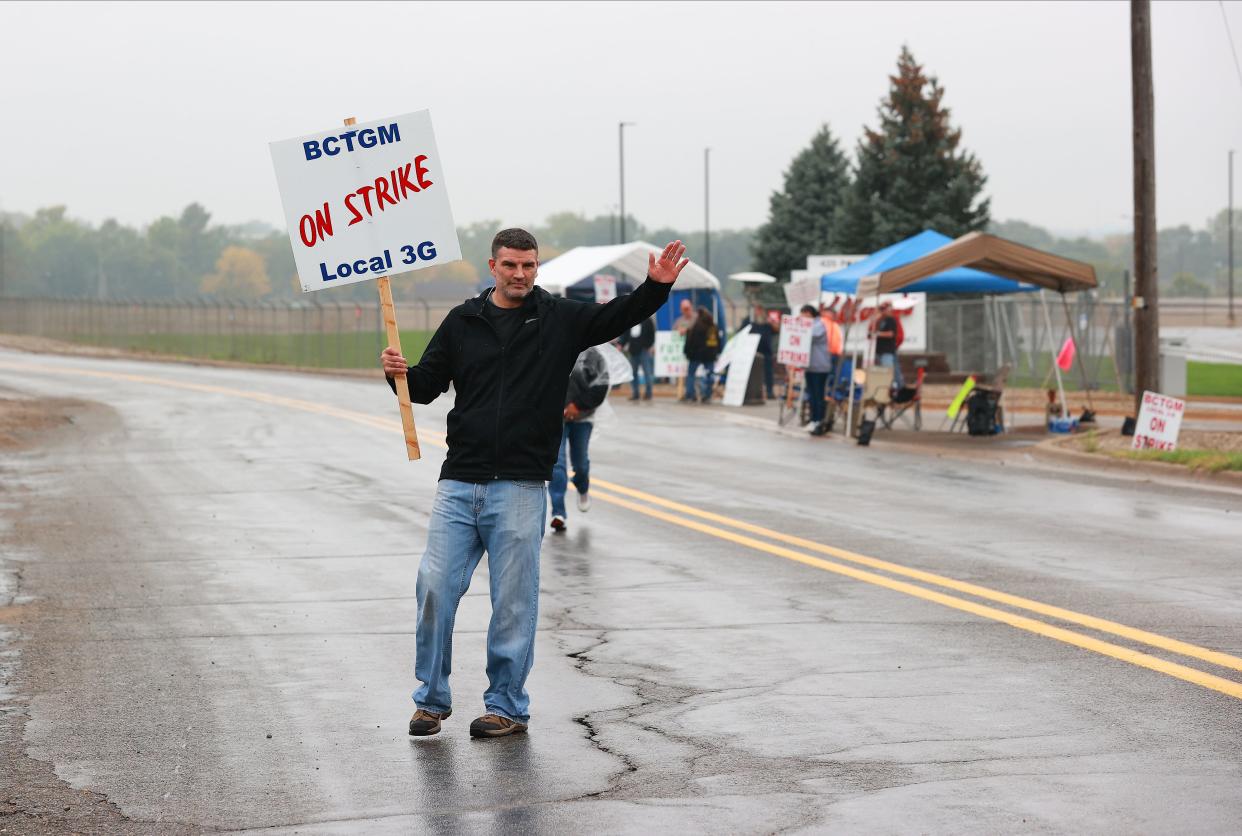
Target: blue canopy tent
x: 953, y: 280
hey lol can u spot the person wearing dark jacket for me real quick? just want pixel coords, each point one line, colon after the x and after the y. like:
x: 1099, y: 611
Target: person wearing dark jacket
x: 639, y: 345
x: 588, y: 388
x: 702, y: 349
x: 508, y: 354
x: 760, y: 325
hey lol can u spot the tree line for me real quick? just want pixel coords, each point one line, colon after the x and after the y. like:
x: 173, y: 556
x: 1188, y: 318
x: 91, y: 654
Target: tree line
x: 910, y: 173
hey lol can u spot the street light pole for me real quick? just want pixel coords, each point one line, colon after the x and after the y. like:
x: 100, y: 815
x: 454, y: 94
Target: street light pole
x: 621, y: 149
x: 707, y: 224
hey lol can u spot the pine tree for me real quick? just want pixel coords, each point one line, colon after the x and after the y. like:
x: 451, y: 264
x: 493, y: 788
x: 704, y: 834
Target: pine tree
x: 911, y: 173
x: 802, y: 214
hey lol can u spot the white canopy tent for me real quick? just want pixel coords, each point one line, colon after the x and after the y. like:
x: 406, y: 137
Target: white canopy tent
x: 628, y: 259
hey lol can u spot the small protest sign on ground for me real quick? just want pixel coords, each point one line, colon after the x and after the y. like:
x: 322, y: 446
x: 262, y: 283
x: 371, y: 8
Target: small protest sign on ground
x: 741, y: 360
x: 1159, y: 422
x: 605, y: 289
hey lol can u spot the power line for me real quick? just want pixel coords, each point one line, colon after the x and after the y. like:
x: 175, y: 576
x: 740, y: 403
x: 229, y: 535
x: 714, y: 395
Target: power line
x: 1232, y: 48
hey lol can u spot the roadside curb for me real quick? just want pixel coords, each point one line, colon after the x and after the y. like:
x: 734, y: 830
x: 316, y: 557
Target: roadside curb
x: 1056, y: 449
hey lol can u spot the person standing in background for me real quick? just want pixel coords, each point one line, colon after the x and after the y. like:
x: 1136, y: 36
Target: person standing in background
x: 639, y: 345
x: 885, y: 330
x: 759, y: 324
x: 686, y: 321
x: 702, y: 349
x: 818, y: 369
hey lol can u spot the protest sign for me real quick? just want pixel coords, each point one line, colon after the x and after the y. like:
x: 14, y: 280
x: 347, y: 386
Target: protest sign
x: 670, y: 354
x: 794, y: 348
x: 726, y: 354
x: 802, y: 292
x: 365, y: 202
x: 605, y: 289
x: 742, y: 358
x: 1159, y: 422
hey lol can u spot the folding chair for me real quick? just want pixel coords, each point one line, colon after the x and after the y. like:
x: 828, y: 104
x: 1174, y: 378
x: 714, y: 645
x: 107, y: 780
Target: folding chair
x: 907, y: 399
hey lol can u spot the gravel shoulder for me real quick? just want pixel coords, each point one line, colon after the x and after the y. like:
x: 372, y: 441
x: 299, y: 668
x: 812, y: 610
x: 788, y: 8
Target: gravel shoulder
x: 33, y: 798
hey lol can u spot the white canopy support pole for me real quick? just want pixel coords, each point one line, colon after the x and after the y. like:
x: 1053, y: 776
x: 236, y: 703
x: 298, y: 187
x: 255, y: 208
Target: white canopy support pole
x: 1082, y: 367
x: 1052, y: 353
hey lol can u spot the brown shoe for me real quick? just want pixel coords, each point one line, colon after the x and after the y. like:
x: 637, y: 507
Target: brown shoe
x: 493, y: 725
x: 425, y: 722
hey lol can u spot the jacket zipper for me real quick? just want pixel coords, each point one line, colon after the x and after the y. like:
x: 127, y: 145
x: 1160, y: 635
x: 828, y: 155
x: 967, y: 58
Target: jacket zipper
x: 500, y: 395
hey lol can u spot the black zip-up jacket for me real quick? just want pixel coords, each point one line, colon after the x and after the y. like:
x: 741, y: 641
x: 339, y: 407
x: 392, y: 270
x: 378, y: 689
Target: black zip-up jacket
x: 507, y: 415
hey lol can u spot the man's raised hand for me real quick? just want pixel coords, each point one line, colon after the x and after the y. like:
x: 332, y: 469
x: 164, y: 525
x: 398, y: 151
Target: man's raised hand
x: 668, y: 267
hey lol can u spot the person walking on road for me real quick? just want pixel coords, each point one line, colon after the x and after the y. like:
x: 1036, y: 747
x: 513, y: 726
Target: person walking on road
x: 639, y: 345
x: 702, y: 349
x: 588, y: 388
x: 508, y: 354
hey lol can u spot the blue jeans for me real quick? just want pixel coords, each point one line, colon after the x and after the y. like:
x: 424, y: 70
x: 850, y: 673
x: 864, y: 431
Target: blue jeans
x: 692, y: 376
x: 890, y: 360
x: 577, y: 437
x: 644, y: 362
x: 505, y: 519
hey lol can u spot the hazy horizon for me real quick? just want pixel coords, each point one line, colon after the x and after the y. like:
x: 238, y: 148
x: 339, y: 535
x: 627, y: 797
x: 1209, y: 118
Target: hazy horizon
x: 133, y: 111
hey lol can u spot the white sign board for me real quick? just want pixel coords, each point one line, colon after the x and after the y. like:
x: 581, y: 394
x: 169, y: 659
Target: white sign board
x: 726, y: 354
x: 739, y: 368
x: 794, y: 348
x: 821, y: 264
x: 670, y: 354
x: 605, y: 288
x: 365, y: 201
x: 1159, y: 422
x: 802, y: 292
x: 910, y: 307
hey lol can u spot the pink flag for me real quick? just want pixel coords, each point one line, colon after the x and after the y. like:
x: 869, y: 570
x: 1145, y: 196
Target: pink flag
x: 1065, y: 359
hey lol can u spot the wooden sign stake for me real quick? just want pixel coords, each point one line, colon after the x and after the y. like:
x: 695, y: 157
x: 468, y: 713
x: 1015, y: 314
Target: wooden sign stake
x: 394, y: 341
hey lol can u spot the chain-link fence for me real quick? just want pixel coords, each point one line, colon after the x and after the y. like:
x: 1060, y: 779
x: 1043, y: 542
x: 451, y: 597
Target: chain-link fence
x: 303, y: 333
x: 1025, y: 332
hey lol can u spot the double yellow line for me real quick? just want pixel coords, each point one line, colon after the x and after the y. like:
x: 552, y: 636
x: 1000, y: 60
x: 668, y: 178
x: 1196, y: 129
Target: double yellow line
x: 727, y: 528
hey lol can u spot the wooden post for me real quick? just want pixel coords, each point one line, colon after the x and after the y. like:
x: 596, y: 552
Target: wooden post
x: 389, y: 313
x: 1146, y: 297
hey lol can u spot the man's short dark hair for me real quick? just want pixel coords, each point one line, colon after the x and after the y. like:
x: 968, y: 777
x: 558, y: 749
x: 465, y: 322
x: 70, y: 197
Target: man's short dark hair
x: 514, y: 239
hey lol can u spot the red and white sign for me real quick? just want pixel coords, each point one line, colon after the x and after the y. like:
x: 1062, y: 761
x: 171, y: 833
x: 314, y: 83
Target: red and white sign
x: 605, y: 288
x: 1159, y: 422
x: 365, y: 201
x: 795, y: 345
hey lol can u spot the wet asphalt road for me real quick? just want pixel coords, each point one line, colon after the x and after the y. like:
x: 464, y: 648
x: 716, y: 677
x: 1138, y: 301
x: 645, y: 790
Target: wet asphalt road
x: 221, y: 571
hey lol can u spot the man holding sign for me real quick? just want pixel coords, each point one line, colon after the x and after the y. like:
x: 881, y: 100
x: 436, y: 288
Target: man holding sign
x: 508, y: 354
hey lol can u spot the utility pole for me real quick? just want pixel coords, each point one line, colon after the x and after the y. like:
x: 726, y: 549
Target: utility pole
x: 621, y: 148
x: 1146, y: 294
x: 707, y: 224
x: 1232, y: 322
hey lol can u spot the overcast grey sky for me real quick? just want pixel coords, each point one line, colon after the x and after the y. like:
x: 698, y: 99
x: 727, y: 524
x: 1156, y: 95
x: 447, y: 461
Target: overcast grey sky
x: 133, y: 111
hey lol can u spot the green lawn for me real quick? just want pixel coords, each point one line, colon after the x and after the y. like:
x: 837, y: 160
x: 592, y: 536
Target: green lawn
x: 1213, y: 379
x: 335, y: 351
x: 1212, y: 461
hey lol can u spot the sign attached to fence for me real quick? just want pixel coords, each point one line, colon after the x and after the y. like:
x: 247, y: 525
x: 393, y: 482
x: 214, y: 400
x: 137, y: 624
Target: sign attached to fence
x: 1159, y: 422
x: 794, y: 348
x: 910, y: 307
x: 365, y: 201
x: 670, y: 354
